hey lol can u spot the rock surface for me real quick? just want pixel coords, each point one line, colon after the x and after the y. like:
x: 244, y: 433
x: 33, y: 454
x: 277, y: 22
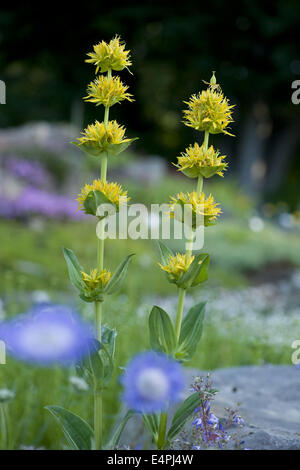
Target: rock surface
x: 269, y: 397
x: 270, y: 403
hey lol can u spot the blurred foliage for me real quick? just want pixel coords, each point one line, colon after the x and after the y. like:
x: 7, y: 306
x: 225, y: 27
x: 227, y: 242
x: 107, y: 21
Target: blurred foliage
x: 32, y: 265
x: 253, y: 46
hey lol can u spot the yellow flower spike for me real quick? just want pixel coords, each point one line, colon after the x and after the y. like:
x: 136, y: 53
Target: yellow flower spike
x: 209, y: 111
x: 98, y: 139
x: 109, y: 192
x: 96, y: 280
x: 199, y: 161
x: 199, y: 205
x: 110, y: 55
x: 177, y: 265
x: 107, y: 91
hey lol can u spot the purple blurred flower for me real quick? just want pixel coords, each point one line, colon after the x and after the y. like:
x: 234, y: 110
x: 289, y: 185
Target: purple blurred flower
x: 197, y: 423
x: 28, y: 170
x: 213, y: 420
x: 151, y: 381
x: 33, y: 201
x: 238, y: 420
x: 48, y: 334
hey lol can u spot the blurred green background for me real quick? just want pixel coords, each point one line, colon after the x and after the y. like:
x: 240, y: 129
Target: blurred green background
x: 253, y: 312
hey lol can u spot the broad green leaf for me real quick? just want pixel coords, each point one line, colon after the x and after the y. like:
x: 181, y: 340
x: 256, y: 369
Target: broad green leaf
x: 118, y: 432
x: 191, y: 331
x: 165, y: 252
x: 108, y: 337
x: 162, y: 335
x: 78, y: 432
x: 89, y: 149
x: 109, y: 148
x: 93, y: 200
x: 74, y: 269
x: 94, y: 362
x: 184, y: 412
x: 118, y: 276
x: 197, y: 272
x: 116, y: 149
x: 152, y: 424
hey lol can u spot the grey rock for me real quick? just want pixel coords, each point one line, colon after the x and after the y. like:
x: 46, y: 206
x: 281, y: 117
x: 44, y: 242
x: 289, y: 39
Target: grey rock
x: 269, y: 403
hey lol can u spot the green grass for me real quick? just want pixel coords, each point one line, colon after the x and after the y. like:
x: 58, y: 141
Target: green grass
x: 31, y: 259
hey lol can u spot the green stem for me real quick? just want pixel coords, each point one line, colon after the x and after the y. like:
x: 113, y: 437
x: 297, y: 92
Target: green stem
x: 98, y: 419
x: 199, y: 185
x: 189, y: 252
x: 206, y: 137
x: 181, y: 295
x: 98, y: 407
x: 98, y: 318
x: 103, y: 167
x: 106, y: 115
x: 162, y: 430
x: 4, y: 431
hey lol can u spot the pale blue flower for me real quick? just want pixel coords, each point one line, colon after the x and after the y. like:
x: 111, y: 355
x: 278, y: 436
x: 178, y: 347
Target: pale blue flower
x: 49, y: 334
x: 151, y: 381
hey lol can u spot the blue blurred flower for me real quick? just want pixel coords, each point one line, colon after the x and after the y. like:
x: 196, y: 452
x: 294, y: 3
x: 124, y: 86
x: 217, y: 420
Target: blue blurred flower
x: 151, y: 381
x: 239, y: 421
x: 213, y: 420
x: 49, y: 334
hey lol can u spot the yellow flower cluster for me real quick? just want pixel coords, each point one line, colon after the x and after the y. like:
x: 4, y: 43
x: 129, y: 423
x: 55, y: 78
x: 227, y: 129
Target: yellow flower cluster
x: 109, y: 56
x: 107, y: 91
x: 177, y: 265
x: 209, y: 111
x: 96, y: 280
x: 201, y: 161
x: 199, y: 205
x: 113, y: 192
x: 98, y: 138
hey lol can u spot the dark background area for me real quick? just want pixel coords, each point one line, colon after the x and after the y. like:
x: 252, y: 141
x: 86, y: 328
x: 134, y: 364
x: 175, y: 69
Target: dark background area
x: 252, y: 45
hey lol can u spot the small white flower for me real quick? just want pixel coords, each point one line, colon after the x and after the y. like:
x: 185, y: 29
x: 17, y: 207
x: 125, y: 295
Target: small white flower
x: 78, y: 383
x: 6, y: 395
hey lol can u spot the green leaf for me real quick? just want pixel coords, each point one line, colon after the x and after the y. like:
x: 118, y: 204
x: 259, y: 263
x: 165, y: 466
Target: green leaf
x: 197, y: 272
x: 118, y: 432
x: 74, y: 269
x: 162, y: 335
x: 165, y: 252
x: 184, y: 412
x: 152, y: 424
x: 118, y: 276
x: 89, y: 149
x: 97, y: 366
x: 112, y: 149
x: 191, y: 332
x: 78, y: 432
x: 108, y: 337
x: 115, y: 149
x: 93, y: 200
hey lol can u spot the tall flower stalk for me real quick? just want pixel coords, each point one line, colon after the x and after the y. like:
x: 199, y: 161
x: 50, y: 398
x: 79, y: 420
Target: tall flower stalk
x: 153, y: 380
x: 103, y: 140
x: 208, y: 112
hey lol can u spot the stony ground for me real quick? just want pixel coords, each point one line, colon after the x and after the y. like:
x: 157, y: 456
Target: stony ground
x: 270, y: 405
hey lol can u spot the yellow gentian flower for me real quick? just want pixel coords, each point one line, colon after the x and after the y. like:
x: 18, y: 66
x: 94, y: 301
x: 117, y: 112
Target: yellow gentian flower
x: 96, y: 280
x: 199, y: 206
x: 107, y: 91
x: 108, y: 193
x: 110, y: 55
x: 98, y: 139
x: 176, y: 266
x: 209, y: 111
x: 199, y: 161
